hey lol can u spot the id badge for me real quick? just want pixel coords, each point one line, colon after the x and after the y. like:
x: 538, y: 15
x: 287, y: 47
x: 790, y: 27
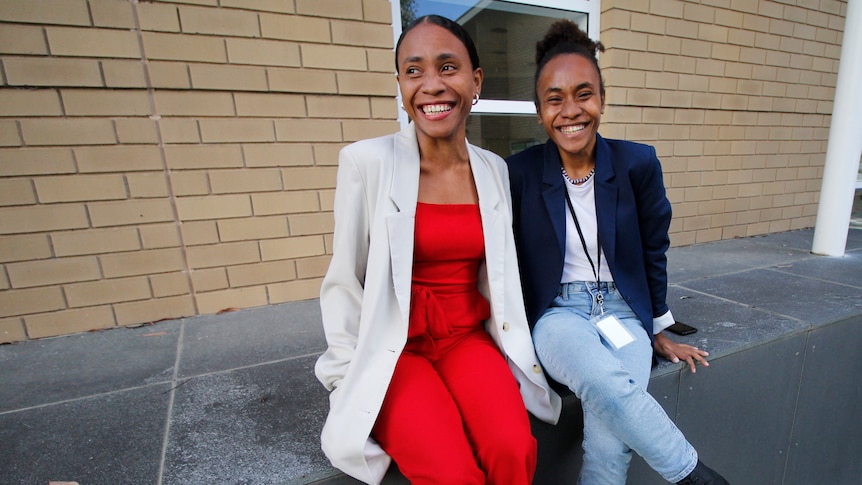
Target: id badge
x: 613, y: 331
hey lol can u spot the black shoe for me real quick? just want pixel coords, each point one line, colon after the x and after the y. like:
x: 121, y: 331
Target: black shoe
x: 703, y: 475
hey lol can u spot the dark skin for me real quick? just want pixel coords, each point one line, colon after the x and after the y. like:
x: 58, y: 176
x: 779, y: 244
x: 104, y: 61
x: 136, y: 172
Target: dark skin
x: 570, y: 108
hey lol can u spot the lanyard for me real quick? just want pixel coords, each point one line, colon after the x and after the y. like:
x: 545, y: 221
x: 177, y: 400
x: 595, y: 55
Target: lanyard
x: 599, y: 297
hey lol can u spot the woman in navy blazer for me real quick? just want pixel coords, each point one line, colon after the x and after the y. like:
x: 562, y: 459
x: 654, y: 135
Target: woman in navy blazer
x: 591, y: 225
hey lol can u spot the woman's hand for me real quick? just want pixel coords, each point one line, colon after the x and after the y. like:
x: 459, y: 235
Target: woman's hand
x: 675, y: 352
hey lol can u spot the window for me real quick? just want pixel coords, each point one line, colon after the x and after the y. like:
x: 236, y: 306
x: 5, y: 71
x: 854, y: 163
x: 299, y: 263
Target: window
x: 505, y: 33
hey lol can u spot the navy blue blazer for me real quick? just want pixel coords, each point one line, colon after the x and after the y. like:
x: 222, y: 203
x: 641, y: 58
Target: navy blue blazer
x: 633, y: 216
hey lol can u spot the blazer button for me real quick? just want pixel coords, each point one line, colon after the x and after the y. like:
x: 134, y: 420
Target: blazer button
x: 505, y: 326
x: 537, y: 368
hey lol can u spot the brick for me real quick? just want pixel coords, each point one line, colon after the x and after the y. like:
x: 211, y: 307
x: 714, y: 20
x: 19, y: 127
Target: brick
x: 124, y: 74
x: 305, y: 224
x: 141, y: 263
x: 115, y: 290
x: 312, y: 267
x: 302, y: 178
x: 343, y: 9
x: 308, y: 130
x: 236, y: 130
x: 219, y: 21
x: 126, y: 212
x: 34, y: 300
x: 228, y: 77
x: 261, y: 273
x: 16, y: 191
x: 284, y: 203
x: 29, y: 102
x: 294, y: 27
x: 158, y: 16
x: 118, y: 159
x: 154, y: 310
x: 196, y: 233
x: 159, y: 236
x: 245, y: 181
x: 327, y: 200
x: 225, y: 254
x: 69, y: 321
x: 22, y: 39
x: 283, y: 6
x: 327, y: 154
x: 169, y: 75
x: 216, y: 301
x: 338, y: 107
x: 323, y: 56
x: 252, y: 229
x: 361, y: 129
x: 210, y: 279
x: 51, y: 71
x: 136, y: 131
x: 80, y: 188
x: 24, y: 248
x: 361, y: 34
x: 63, y: 12
x: 294, y: 290
x: 381, y: 60
x: 292, y: 247
x: 95, y: 241
x: 270, y: 105
x: 278, y: 154
x: 177, y: 47
x: 109, y: 13
x: 263, y: 52
x: 377, y: 11
x: 367, y: 83
x: 190, y: 183
x: 183, y: 157
x: 302, y: 80
x: 90, y: 42
x: 42, y: 218
x: 12, y: 330
x: 170, y: 284
x: 213, y: 207
x: 46, y: 131
x: 184, y: 103
x: 386, y: 108
x: 147, y: 185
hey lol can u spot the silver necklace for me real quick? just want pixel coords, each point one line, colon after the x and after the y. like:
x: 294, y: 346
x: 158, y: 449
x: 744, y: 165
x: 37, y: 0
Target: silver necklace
x: 577, y: 181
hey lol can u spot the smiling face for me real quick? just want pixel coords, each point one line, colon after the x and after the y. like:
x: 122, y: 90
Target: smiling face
x: 571, y: 106
x: 437, y: 82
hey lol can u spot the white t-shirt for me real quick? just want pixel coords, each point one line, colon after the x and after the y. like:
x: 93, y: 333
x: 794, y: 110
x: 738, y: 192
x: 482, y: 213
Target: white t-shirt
x: 577, y: 266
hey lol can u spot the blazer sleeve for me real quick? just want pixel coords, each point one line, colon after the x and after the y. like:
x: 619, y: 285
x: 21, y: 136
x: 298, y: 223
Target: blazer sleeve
x: 342, y: 291
x: 654, y: 216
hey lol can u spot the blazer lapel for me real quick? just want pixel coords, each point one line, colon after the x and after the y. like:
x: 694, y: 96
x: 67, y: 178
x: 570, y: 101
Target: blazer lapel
x: 553, y: 193
x: 606, y: 199
x: 403, y: 192
x: 489, y: 188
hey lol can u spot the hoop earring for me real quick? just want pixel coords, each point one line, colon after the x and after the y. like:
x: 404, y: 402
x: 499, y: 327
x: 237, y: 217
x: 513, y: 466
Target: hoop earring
x: 475, y: 99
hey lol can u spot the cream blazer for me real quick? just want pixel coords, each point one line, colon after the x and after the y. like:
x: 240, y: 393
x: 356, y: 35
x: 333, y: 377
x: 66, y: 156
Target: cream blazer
x: 365, y: 295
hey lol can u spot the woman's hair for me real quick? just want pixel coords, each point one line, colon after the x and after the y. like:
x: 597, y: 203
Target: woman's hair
x: 447, y: 24
x: 565, y: 37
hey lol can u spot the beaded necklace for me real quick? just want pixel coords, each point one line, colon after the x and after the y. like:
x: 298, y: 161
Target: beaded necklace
x: 580, y: 180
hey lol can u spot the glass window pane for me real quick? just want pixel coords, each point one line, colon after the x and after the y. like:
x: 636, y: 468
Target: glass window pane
x: 504, y: 134
x: 505, y: 34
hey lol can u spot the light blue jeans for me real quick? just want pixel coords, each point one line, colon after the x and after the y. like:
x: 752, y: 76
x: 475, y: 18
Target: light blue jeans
x: 619, y: 415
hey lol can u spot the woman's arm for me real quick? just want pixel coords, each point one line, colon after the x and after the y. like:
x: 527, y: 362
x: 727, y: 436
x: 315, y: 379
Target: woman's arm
x: 342, y: 290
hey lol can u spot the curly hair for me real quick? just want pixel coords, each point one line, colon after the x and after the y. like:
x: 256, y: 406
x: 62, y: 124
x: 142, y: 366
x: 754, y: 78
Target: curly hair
x: 565, y: 37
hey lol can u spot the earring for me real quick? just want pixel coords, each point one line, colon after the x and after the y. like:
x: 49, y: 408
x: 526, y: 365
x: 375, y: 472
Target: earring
x: 403, y: 108
x: 475, y: 99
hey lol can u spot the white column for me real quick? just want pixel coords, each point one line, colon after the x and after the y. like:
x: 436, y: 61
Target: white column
x: 845, y: 143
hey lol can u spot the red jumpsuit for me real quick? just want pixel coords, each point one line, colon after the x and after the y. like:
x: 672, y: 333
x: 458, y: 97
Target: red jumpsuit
x: 453, y: 413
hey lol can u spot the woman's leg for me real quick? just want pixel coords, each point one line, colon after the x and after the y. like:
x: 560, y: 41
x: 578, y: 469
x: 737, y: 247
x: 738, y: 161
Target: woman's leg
x: 495, y: 418
x: 420, y: 427
x: 614, y: 401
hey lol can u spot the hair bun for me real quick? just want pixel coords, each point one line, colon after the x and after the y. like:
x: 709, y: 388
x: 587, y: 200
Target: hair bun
x: 565, y: 32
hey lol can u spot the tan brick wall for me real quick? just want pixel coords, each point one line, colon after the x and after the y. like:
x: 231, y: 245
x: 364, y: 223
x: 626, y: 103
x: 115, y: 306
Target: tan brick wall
x: 736, y: 96
x: 160, y: 159
x: 166, y: 158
